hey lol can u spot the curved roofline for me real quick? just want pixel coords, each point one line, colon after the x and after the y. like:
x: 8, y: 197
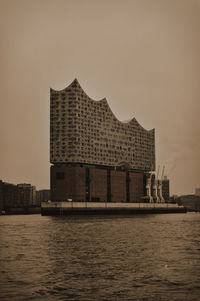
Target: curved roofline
x: 135, y: 120
x: 125, y: 122
x: 69, y: 86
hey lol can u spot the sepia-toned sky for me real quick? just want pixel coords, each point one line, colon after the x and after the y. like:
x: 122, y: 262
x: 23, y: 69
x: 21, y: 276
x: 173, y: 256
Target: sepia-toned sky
x: 142, y: 55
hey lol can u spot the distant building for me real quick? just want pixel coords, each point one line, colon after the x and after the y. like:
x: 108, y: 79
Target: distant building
x: 10, y: 195
x: 197, y: 191
x: 1, y: 196
x: 191, y: 202
x: 20, y: 195
x: 27, y: 194
x: 94, y: 156
x: 165, y: 189
x: 42, y: 196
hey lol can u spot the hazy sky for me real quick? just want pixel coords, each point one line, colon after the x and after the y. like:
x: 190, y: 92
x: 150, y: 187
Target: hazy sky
x: 142, y: 55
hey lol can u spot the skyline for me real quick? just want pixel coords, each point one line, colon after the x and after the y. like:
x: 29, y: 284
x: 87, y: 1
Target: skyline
x: 142, y: 56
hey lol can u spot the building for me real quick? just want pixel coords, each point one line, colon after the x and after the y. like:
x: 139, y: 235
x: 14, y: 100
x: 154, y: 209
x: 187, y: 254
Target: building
x: 27, y: 193
x: 94, y: 156
x: 165, y: 189
x: 42, y: 196
x: 190, y: 201
x: 10, y: 195
x: 21, y: 196
x: 83, y: 130
x: 15, y: 196
x: 1, y: 196
x: 197, y: 191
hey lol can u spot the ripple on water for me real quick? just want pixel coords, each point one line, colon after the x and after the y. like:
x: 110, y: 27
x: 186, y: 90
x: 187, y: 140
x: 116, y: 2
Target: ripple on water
x: 151, y: 257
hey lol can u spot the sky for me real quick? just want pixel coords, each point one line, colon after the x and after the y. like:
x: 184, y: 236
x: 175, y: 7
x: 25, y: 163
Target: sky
x: 142, y: 55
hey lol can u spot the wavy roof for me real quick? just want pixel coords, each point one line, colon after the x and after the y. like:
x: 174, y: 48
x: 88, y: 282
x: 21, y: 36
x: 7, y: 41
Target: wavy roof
x: 76, y: 83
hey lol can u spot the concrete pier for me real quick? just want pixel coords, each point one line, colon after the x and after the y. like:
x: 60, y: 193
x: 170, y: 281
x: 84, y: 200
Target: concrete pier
x: 70, y: 208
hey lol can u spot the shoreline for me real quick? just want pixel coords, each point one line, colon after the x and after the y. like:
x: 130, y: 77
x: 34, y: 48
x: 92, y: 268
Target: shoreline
x: 93, y: 208
x: 21, y: 210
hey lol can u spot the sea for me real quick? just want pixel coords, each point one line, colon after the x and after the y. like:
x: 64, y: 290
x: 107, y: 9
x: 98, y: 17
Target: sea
x: 133, y: 257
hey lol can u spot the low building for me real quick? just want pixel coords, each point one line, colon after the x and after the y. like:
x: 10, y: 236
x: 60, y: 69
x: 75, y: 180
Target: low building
x: 191, y: 202
x: 42, y: 196
x: 10, y: 195
x: 20, y: 195
x: 165, y: 189
x: 1, y: 196
x: 27, y: 194
x: 197, y: 191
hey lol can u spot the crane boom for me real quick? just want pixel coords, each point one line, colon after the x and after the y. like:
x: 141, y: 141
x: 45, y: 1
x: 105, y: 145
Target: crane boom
x: 163, y: 172
x: 158, y: 171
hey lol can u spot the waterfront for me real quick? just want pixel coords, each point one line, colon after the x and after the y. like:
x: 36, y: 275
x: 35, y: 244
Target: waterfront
x: 141, y: 257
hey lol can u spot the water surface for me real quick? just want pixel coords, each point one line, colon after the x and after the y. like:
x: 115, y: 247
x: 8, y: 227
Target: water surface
x: 138, y: 257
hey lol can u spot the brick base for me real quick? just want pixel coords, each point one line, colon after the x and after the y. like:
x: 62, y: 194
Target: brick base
x: 95, y: 184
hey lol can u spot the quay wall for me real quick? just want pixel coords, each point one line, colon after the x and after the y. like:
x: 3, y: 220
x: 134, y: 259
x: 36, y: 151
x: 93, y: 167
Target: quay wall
x: 23, y: 210
x: 62, y: 208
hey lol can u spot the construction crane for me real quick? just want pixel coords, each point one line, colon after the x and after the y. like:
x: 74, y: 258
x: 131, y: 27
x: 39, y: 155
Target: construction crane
x: 162, y: 177
x: 158, y: 171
